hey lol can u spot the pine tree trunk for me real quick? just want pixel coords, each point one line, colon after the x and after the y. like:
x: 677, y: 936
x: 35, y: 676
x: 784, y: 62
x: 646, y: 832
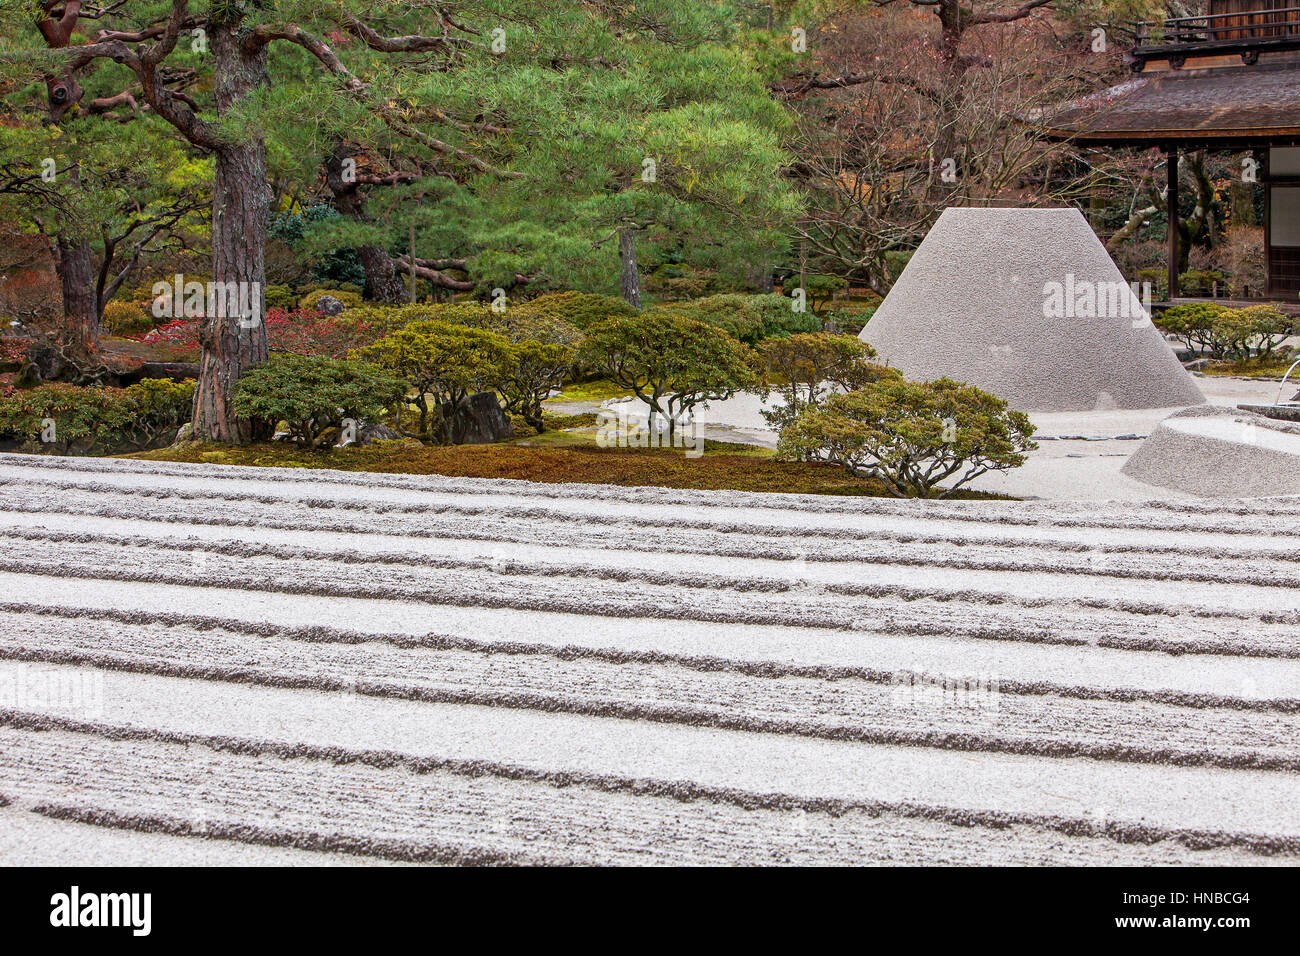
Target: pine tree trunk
x: 630, y: 281
x: 76, y: 269
x: 240, y: 213
x: 383, y: 284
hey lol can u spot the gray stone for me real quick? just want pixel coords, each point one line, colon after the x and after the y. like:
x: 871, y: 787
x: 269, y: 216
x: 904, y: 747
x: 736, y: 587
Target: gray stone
x: 329, y: 305
x: 1286, y: 413
x: 373, y: 432
x: 970, y: 306
x: 45, y: 364
x: 479, y: 420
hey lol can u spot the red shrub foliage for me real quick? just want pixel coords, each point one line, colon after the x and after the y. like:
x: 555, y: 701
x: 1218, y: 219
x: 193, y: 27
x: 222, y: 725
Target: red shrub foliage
x: 301, y: 332
x: 181, y: 334
x: 13, y: 349
x: 306, y: 332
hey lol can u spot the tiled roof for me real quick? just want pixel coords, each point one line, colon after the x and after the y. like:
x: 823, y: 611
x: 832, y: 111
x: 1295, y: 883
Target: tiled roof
x: 1207, y: 105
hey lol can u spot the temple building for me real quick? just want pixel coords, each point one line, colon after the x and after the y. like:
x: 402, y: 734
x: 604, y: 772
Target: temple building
x: 1228, y: 80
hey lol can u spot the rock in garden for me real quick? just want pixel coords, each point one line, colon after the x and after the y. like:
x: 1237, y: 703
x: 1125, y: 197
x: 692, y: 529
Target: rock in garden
x: 328, y: 305
x: 47, y: 364
x: 370, y: 433
x: 479, y: 420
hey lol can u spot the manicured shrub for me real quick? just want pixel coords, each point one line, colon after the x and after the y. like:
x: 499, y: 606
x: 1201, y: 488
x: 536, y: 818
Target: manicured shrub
x: 121, y: 317
x: 534, y: 369
x: 1262, y: 328
x: 1202, y: 282
x: 331, y: 286
x: 314, y: 395
x: 519, y: 325
x: 678, y: 288
x: 1192, y: 324
x: 444, y: 362
x: 1158, y: 279
x: 310, y: 301
x: 748, y: 318
x: 1227, y: 333
x: 779, y: 318
x: 848, y: 319
x: 160, y: 407
x: 543, y: 352
x: 912, y: 436
x: 390, y: 318
x: 805, y: 369
x: 734, y: 313
x: 281, y: 296
x: 821, y: 289
x: 670, y: 362
x: 72, y: 419
x: 578, y: 309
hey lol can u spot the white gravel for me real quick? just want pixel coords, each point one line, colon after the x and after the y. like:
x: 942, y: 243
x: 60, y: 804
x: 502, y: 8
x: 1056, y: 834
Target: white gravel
x: 31, y: 839
x: 1171, y: 798
x: 517, y: 673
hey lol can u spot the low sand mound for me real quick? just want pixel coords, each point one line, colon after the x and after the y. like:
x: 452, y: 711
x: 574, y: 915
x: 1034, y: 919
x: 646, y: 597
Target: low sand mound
x: 1028, y: 304
x: 1220, y: 452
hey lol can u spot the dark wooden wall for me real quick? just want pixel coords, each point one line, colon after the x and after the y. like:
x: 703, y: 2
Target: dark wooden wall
x: 1258, y: 19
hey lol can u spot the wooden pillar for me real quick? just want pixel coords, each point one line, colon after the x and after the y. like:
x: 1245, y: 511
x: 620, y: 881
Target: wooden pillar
x: 1271, y: 283
x: 1171, y: 210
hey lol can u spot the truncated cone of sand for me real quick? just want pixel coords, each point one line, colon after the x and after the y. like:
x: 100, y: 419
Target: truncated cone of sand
x: 1220, y: 452
x: 1027, y: 304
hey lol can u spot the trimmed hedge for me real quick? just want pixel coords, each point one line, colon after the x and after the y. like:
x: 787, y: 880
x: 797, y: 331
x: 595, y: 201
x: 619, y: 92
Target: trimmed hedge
x: 314, y: 395
x: 70, y: 419
x: 350, y: 300
x: 582, y: 310
x: 749, y: 318
x: 126, y: 318
x: 1228, y: 333
x: 912, y: 436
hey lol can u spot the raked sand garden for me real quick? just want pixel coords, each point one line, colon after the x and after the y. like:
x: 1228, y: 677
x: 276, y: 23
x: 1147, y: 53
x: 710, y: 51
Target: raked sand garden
x: 242, y: 665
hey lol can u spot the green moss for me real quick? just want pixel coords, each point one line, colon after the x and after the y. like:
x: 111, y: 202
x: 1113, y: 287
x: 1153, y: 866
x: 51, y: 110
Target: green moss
x: 596, y: 390
x: 559, y: 422
x: 1252, y: 368
x: 721, y: 468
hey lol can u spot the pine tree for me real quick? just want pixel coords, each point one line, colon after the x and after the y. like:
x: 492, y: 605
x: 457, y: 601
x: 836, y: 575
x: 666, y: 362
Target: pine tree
x: 533, y: 120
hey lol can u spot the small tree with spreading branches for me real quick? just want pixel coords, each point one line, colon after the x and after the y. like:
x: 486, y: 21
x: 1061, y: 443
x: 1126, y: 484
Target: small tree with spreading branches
x: 671, y: 363
x: 913, y: 436
x: 805, y: 369
x: 444, y: 362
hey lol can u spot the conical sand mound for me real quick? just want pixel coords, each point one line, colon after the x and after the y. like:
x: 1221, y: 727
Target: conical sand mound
x: 1027, y: 304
